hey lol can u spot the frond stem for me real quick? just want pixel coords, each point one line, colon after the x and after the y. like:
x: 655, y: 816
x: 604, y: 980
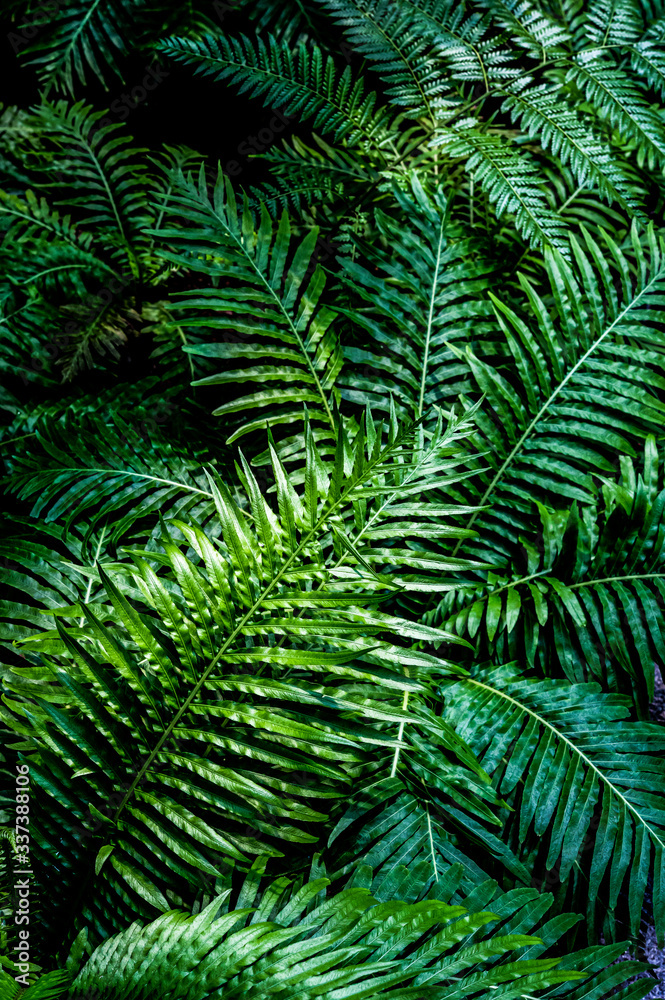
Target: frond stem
x: 302, y: 545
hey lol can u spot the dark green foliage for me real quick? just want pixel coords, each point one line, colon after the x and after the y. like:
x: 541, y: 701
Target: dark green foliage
x: 333, y: 571
x: 272, y: 293
x: 566, y: 780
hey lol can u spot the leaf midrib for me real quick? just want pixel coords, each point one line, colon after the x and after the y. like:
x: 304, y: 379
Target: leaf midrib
x: 573, y: 748
x: 561, y: 386
x: 302, y: 545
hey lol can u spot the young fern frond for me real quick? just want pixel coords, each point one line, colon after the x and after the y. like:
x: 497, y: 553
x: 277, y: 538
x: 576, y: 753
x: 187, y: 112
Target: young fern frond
x: 301, y: 940
x: 172, y: 706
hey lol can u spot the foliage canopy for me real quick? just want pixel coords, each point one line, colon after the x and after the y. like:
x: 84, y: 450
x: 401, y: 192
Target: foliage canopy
x: 330, y: 627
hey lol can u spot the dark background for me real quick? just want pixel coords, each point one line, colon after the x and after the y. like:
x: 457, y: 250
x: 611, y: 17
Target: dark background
x: 182, y: 109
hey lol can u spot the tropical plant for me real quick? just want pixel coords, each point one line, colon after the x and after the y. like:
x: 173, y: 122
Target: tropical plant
x: 333, y: 573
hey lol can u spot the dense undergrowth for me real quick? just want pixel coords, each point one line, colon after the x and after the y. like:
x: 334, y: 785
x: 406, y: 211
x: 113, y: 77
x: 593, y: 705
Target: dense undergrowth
x: 334, y: 562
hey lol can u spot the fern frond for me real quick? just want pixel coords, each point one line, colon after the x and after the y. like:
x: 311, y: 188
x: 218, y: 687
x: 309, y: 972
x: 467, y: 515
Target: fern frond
x: 572, y: 758
x: 393, y: 846
x: 647, y: 58
x: 275, y: 299
x: 293, y: 20
x: 386, y: 35
x: 621, y: 102
x: 587, y: 382
x: 81, y: 36
x: 304, y: 82
x: 427, y: 294
x: 588, y: 604
x: 48, y: 986
x: 531, y: 27
x: 307, y: 176
x: 511, y: 179
x: 319, y: 945
x: 565, y: 133
x: 464, y: 41
x: 169, y: 702
x: 58, y: 261
x: 113, y: 196
x: 620, y: 22
x: 114, y: 470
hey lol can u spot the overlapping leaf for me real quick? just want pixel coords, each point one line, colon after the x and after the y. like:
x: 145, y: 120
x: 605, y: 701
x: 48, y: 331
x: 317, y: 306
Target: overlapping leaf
x: 216, y: 717
x: 320, y: 945
x: 428, y: 293
x: 267, y: 316
x: 586, y: 783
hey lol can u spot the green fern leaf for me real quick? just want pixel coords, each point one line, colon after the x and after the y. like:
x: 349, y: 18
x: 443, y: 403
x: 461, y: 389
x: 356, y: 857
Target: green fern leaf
x: 532, y: 28
x: 571, y: 754
x: 385, y: 34
x: 171, y: 706
x: 426, y: 295
x: 305, y: 83
x: 594, y: 351
x: 512, y: 180
x: 566, y: 134
x: 621, y: 101
x: 336, y: 945
x: 275, y: 300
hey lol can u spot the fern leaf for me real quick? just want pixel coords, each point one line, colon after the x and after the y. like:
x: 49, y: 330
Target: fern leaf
x: 532, y: 28
x: 463, y: 40
x: 620, y: 22
x: 540, y: 112
x: 595, y: 352
x: 305, y: 83
x: 384, y: 33
x: 275, y: 300
x: 620, y: 100
x: 593, y: 585
x: 512, y: 180
x: 115, y: 199
x: 115, y: 471
x: 572, y: 754
x: 648, y: 60
x: 81, y: 36
x: 426, y: 295
x: 170, y: 701
x: 334, y: 944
